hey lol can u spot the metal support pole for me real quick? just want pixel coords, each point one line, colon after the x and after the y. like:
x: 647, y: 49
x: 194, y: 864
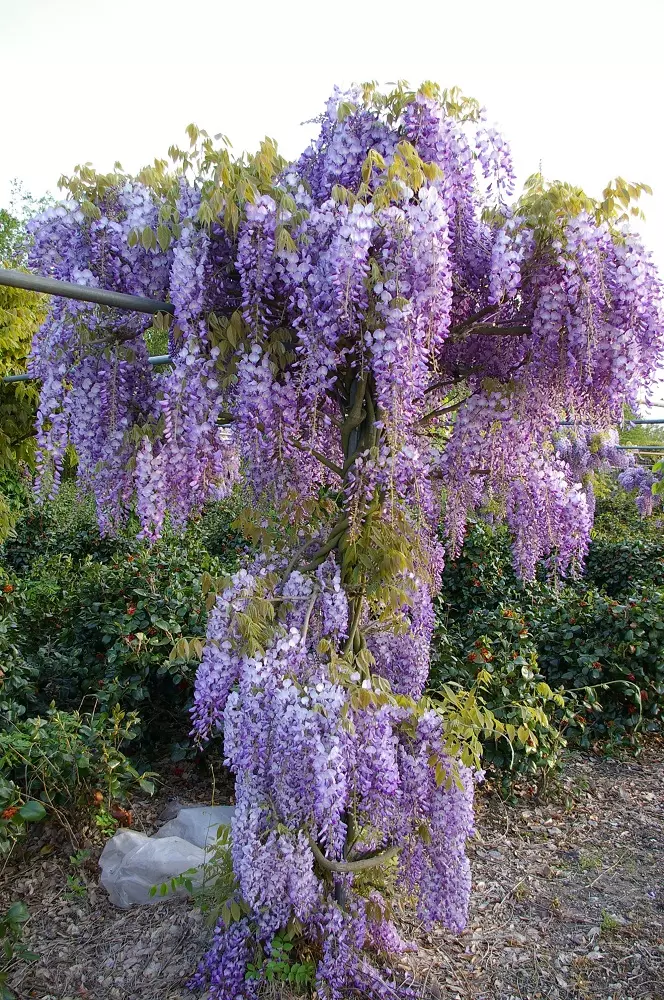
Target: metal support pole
x: 70, y: 290
x: 157, y: 359
x: 641, y: 447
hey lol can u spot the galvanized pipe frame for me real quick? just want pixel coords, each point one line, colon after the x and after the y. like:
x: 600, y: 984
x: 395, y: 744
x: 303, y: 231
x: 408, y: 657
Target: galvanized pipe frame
x: 84, y: 293
x: 139, y: 303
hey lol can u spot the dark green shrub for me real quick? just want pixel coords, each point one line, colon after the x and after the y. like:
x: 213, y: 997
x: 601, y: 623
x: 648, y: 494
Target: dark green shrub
x: 217, y: 533
x: 128, y: 617
x: 65, y: 526
x: 482, y: 576
x: 17, y: 676
x: 615, y: 649
x: 15, y: 813
x: 108, y: 627
x: 618, y: 568
x: 617, y: 517
x: 12, y: 945
x: 496, y: 652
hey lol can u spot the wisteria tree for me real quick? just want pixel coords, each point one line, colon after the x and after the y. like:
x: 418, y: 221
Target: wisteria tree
x: 392, y: 340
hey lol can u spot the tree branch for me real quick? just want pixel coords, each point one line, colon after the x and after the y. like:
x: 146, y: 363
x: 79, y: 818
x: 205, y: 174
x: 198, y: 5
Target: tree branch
x: 30, y: 434
x: 357, y: 612
x: 459, y: 377
x: 332, y: 542
x: 307, y: 617
x: 120, y: 337
x: 472, y: 320
x: 488, y: 330
x: 323, y: 459
x: 348, y: 867
x: 428, y: 417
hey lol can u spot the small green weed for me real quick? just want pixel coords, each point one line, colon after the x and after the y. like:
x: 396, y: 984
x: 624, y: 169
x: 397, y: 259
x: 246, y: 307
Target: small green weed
x: 281, y: 966
x: 12, y: 946
x: 589, y: 861
x: 609, y: 923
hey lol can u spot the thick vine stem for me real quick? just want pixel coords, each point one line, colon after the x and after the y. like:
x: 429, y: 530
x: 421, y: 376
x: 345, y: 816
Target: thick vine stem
x: 356, y: 414
x: 307, y: 617
x: 354, y: 625
x: 351, y: 867
x: 325, y: 549
x: 466, y: 324
x: 323, y: 459
x: 428, y: 417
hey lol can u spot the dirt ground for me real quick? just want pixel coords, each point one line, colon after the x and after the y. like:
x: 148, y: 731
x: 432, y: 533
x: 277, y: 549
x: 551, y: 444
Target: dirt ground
x: 568, y: 903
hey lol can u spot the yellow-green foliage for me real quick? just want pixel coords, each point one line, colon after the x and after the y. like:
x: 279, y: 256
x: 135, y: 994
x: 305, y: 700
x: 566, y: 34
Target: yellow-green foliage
x: 21, y: 315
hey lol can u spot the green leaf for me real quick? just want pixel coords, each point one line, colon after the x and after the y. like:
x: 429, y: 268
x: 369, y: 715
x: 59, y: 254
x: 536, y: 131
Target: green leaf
x: 32, y: 812
x: 148, y: 238
x: 163, y: 237
x: 18, y: 913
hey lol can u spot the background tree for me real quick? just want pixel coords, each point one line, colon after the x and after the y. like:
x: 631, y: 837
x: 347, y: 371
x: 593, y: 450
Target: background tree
x: 21, y: 314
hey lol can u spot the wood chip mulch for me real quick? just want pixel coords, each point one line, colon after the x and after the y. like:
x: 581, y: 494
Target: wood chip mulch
x: 568, y: 902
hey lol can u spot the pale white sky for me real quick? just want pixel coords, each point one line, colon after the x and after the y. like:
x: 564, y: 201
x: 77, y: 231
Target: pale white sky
x: 577, y: 85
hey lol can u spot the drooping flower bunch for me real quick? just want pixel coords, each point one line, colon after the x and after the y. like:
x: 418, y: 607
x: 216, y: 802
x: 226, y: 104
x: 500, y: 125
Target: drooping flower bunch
x: 334, y: 775
x: 587, y: 451
x: 393, y: 343
x: 646, y: 482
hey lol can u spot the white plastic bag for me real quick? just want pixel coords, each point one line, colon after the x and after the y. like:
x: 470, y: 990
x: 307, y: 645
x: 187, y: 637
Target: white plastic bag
x: 132, y: 863
x: 198, y: 824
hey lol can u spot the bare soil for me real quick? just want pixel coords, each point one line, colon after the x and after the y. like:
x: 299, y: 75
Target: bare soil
x: 568, y: 902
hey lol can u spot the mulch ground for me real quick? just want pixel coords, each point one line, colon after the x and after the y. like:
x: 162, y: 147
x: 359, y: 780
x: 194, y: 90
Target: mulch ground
x: 568, y: 903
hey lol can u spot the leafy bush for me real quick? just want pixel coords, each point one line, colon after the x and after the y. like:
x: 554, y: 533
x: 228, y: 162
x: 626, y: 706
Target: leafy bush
x: 217, y: 532
x: 617, y: 518
x: 599, y: 637
x: 17, y: 676
x: 482, y: 576
x: 15, y: 814
x: 69, y: 764
x: 124, y: 618
x: 620, y: 567
x: 616, y: 650
x: 12, y: 946
x: 496, y: 657
x: 109, y: 627
x: 64, y: 527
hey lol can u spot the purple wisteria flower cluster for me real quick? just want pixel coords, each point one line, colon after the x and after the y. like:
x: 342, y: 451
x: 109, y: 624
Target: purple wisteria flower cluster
x: 393, y: 341
x: 642, y: 479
